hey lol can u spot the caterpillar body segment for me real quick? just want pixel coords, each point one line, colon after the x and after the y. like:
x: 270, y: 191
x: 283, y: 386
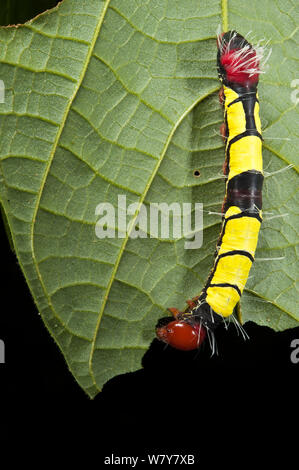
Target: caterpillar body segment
x: 238, y: 68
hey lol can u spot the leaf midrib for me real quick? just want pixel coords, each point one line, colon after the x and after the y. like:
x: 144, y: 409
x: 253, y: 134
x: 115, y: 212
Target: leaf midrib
x: 143, y: 195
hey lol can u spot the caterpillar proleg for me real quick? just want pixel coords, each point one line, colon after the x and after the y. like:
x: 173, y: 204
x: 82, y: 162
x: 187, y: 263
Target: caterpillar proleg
x: 239, y: 66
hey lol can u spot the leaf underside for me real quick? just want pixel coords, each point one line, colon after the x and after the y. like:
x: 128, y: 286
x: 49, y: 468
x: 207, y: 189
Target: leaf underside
x: 120, y: 98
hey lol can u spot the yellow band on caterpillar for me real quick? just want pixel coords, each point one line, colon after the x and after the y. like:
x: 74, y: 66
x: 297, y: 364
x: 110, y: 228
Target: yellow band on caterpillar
x: 230, y: 96
x: 240, y: 234
x: 234, y: 270
x: 235, y: 120
x: 245, y: 154
x: 257, y: 117
x: 222, y: 300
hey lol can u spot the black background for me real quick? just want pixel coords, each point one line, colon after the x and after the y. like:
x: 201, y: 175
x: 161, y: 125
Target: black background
x: 19, y: 11
x: 188, y: 399
x: 216, y: 408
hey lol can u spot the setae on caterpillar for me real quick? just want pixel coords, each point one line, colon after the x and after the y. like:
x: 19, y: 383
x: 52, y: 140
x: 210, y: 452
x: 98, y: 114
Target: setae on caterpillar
x: 238, y: 64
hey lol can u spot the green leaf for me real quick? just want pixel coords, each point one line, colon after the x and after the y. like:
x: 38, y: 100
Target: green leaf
x: 120, y: 98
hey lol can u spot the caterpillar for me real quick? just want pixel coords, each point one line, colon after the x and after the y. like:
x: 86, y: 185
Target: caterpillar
x: 239, y: 66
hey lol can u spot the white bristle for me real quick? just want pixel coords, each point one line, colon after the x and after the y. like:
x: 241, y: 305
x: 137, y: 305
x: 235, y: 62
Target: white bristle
x: 252, y: 65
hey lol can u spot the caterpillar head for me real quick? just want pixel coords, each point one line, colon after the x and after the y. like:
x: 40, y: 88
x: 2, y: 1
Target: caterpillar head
x: 182, y: 335
x: 237, y: 60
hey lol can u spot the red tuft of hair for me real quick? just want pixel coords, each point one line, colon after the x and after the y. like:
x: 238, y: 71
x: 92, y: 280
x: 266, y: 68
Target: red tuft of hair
x: 238, y: 60
x: 242, y: 68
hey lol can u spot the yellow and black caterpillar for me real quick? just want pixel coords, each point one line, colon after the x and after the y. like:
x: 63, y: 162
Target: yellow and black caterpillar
x: 238, y: 68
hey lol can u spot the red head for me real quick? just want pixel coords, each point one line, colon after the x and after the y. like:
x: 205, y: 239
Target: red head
x: 238, y: 61
x: 182, y: 335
